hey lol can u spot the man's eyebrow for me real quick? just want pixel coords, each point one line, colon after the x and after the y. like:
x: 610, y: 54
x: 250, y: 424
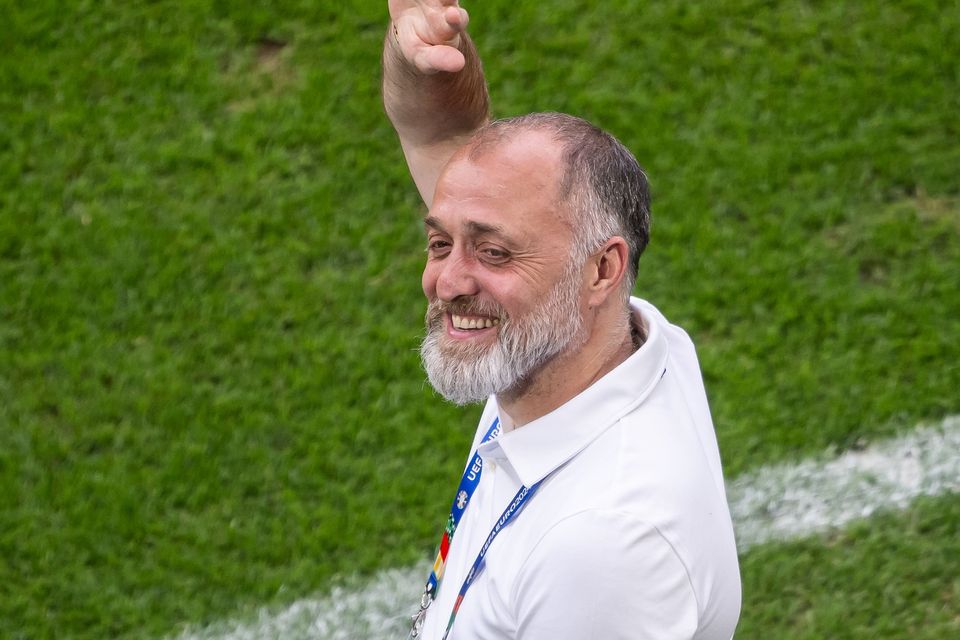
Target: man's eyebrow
x: 433, y: 223
x: 472, y: 227
x: 479, y: 228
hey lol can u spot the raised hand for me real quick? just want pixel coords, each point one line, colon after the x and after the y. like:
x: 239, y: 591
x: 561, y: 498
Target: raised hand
x: 434, y: 91
x: 427, y: 33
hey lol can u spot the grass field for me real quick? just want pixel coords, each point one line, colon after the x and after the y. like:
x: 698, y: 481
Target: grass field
x: 210, y: 398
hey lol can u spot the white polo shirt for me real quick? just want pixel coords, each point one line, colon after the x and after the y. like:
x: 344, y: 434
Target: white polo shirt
x: 630, y: 534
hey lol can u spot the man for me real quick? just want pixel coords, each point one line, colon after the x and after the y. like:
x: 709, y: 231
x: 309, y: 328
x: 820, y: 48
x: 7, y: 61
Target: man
x: 593, y: 506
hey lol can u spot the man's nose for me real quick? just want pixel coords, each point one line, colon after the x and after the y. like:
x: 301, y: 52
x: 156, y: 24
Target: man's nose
x: 456, y: 277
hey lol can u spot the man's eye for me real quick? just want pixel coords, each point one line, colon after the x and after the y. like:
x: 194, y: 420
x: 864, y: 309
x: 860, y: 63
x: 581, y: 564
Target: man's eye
x: 438, y: 247
x: 492, y: 254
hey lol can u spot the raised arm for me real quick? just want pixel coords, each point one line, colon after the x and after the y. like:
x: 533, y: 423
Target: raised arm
x: 433, y: 86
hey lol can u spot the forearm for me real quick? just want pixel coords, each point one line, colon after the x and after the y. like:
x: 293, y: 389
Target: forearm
x: 430, y: 109
x: 435, y: 95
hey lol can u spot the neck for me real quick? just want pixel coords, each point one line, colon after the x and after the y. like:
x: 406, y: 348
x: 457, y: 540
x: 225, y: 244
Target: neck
x: 610, y: 341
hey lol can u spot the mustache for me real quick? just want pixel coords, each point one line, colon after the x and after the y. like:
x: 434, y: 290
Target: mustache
x: 463, y: 306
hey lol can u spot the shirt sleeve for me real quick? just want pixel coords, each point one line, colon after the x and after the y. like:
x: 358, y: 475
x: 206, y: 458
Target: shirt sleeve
x: 604, y: 574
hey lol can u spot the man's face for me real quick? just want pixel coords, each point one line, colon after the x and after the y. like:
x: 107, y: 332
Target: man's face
x: 503, y: 293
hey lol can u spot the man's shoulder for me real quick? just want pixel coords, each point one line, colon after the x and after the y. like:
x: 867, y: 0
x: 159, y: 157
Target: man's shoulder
x: 617, y: 561
x: 609, y: 562
x: 597, y: 533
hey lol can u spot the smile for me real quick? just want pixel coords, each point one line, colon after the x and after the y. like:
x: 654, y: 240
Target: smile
x: 467, y: 323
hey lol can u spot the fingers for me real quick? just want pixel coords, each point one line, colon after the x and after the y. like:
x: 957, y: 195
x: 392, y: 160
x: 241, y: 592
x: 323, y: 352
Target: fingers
x: 434, y: 58
x: 428, y: 33
x: 427, y: 54
x: 457, y: 18
x: 443, y: 26
x: 448, y: 11
x: 429, y: 36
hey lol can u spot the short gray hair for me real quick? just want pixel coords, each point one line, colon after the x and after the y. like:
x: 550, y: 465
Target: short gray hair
x: 606, y: 189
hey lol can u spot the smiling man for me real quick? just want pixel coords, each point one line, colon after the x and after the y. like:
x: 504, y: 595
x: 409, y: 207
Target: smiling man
x: 504, y: 292
x: 592, y: 505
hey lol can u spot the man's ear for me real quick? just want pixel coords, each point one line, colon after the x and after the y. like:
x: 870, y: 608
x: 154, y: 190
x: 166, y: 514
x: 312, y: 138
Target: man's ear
x: 608, y: 268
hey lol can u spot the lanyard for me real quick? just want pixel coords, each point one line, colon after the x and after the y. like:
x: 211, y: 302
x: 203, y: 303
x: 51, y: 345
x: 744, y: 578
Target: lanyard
x: 508, y: 514
x: 468, y: 484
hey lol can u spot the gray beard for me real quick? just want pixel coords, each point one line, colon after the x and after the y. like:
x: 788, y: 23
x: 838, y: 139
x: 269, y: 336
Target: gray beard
x: 466, y: 373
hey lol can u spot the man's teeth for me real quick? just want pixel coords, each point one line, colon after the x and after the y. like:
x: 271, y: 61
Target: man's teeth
x: 463, y: 322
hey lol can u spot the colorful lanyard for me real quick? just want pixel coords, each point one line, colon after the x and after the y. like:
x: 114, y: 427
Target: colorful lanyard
x: 468, y: 484
x: 508, y: 514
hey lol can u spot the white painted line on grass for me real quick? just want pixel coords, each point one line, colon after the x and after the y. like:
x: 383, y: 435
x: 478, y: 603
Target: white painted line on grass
x: 781, y: 502
x: 377, y: 610
x: 785, y: 502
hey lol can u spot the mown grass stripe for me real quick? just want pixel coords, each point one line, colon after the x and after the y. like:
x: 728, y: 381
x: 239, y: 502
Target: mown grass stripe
x: 771, y: 504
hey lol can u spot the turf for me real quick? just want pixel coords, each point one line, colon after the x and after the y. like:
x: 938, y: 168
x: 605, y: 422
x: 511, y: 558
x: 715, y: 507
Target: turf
x: 210, y: 396
x: 892, y: 577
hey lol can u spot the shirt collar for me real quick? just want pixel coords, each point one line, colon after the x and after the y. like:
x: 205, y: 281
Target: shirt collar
x: 539, y: 447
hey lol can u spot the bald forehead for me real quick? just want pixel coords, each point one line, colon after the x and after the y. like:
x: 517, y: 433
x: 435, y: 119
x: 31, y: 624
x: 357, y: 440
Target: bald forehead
x: 527, y: 161
x: 514, y: 184
x: 516, y: 139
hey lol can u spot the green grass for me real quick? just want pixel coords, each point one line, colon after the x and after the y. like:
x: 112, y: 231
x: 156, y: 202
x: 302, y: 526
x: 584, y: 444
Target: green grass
x: 210, y: 396
x: 894, y: 576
